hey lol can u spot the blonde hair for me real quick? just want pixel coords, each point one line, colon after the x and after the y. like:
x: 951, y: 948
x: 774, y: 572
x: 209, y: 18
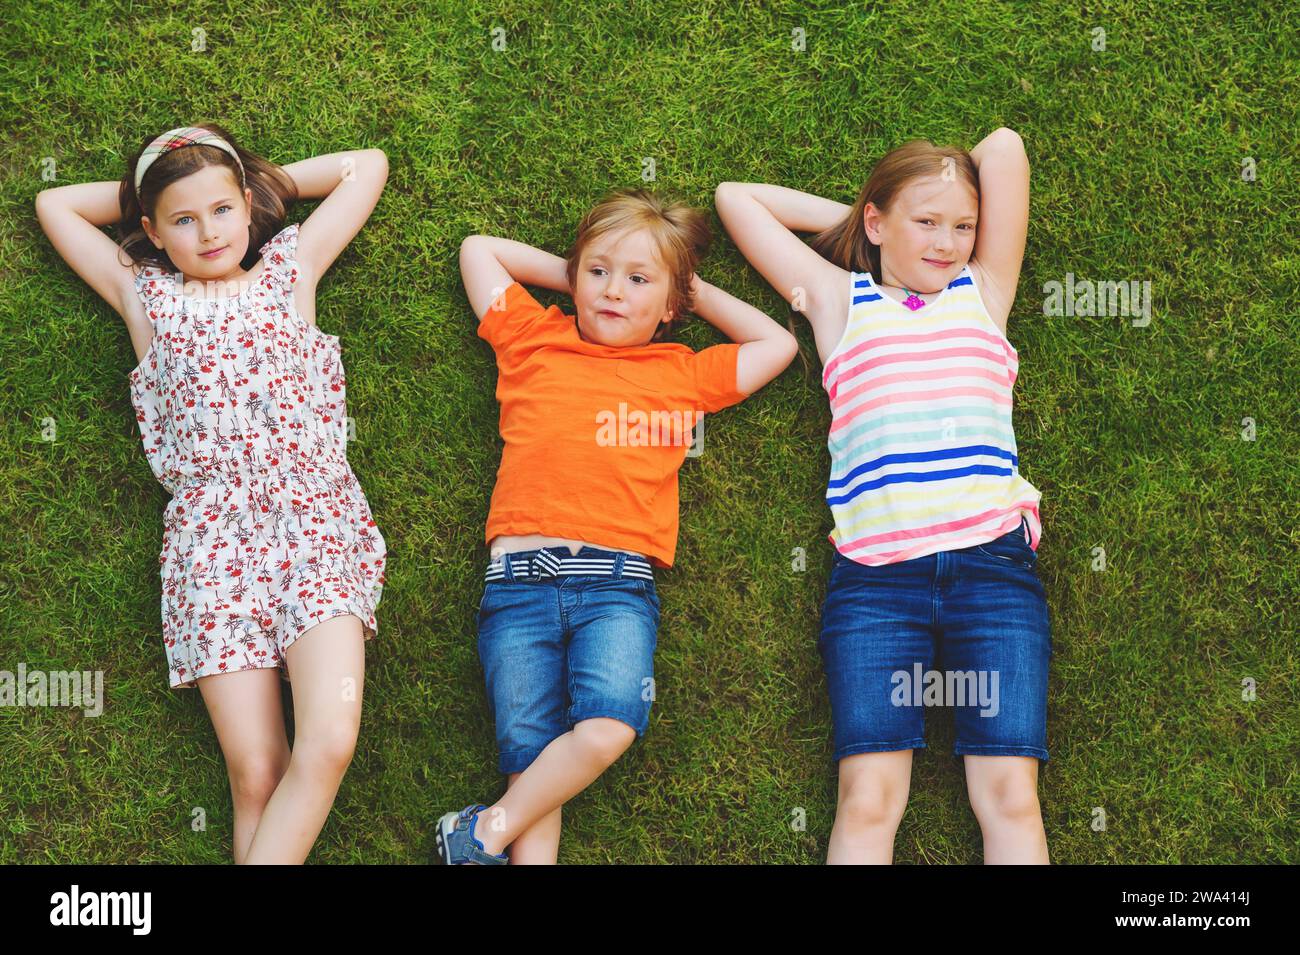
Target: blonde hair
x: 679, y: 233
x: 846, y: 244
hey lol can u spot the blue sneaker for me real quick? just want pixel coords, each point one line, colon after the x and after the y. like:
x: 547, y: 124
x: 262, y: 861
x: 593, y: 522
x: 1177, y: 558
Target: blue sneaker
x: 456, y: 842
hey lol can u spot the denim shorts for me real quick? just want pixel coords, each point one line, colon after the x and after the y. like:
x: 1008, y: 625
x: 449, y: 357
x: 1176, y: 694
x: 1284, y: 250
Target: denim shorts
x: 558, y: 649
x: 964, y: 628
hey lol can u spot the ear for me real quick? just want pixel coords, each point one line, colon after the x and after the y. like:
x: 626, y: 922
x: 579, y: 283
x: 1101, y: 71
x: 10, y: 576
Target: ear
x: 148, y: 230
x: 871, y: 217
x: 248, y: 201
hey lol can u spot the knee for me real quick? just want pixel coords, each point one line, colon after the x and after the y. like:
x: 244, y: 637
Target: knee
x: 328, y: 750
x: 604, y: 739
x: 254, y: 778
x: 871, y: 804
x: 1008, y: 800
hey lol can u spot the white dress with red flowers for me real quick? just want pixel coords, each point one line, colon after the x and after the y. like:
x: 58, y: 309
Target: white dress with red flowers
x: 241, y: 405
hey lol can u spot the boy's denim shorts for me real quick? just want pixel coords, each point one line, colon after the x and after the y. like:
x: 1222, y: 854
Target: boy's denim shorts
x: 564, y: 647
x: 978, y: 616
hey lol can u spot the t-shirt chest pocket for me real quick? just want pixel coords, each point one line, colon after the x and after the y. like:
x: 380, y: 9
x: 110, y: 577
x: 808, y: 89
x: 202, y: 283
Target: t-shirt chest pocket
x: 641, y: 377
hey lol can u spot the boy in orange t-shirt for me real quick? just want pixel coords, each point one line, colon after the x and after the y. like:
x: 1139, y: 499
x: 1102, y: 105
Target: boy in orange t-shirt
x: 597, y: 413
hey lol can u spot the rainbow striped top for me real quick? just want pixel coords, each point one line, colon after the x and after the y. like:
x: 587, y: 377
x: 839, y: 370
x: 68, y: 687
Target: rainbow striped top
x: 923, y: 455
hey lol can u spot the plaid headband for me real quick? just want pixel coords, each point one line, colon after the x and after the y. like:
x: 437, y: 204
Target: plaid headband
x: 175, y: 139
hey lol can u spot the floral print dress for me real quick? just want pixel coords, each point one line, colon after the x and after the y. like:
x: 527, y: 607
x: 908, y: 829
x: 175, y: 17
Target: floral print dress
x: 241, y: 406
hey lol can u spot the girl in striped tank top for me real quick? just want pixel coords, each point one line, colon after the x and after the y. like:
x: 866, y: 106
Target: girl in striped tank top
x: 934, y: 597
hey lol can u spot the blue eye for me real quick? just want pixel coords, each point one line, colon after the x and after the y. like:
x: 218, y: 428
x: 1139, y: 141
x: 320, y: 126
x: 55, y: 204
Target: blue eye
x: 181, y: 220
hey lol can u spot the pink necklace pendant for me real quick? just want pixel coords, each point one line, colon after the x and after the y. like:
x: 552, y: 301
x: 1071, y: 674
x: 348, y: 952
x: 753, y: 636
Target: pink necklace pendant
x: 913, y: 301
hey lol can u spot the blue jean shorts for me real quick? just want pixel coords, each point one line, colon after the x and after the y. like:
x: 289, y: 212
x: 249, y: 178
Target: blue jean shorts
x: 565, y: 647
x: 966, y: 629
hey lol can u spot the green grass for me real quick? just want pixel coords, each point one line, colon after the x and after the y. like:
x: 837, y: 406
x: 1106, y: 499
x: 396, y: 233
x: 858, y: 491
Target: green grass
x: 1131, y: 434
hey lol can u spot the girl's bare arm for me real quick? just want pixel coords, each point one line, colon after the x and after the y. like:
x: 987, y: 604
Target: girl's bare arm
x: 488, y: 265
x: 72, y: 217
x: 350, y: 184
x: 766, y: 348
x: 762, y: 220
x: 1004, y: 219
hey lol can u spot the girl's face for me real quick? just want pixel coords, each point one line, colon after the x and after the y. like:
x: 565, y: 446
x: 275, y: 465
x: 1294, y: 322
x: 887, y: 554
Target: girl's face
x: 927, y: 235
x: 200, y: 214
x: 621, y: 292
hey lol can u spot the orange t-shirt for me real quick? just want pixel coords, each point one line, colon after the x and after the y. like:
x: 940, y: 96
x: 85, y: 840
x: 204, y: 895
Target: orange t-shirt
x: 594, y: 434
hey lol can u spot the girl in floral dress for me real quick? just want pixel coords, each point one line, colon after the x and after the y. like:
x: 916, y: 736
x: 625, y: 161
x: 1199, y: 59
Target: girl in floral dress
x: 240, y: 400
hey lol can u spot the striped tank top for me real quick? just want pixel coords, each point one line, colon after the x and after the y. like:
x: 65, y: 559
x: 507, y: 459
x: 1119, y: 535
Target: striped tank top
x: 923, y: 455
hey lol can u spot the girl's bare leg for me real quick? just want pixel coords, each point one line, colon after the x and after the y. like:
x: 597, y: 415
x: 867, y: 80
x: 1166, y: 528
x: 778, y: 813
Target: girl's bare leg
x: 326, y: 671
x: 245, y: 711
x: 872, y: 798
x: 540, y: 845
x: 568, y: 765
x: 1004, y: 794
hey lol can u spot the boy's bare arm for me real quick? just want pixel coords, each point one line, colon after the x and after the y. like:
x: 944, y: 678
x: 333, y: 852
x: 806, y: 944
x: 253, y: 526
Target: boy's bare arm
x: 490, y: 264
x: 766, y: 348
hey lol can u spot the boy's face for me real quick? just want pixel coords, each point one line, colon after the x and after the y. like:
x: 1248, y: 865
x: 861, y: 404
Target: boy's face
x: 621, y: 290
x: 200, y: 213
x: 928, y: 234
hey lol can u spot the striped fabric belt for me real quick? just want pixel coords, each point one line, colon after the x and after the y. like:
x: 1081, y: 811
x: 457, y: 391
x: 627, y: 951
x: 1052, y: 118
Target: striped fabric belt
x: 533, y: 565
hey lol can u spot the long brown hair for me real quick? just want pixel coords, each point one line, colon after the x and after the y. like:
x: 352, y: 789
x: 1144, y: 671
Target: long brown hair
x: 680, y: 234
x: 846, y: 244
x: 273, y: 192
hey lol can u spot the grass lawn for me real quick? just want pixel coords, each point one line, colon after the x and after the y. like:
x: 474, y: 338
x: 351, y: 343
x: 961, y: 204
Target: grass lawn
x: 1134, y: 435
